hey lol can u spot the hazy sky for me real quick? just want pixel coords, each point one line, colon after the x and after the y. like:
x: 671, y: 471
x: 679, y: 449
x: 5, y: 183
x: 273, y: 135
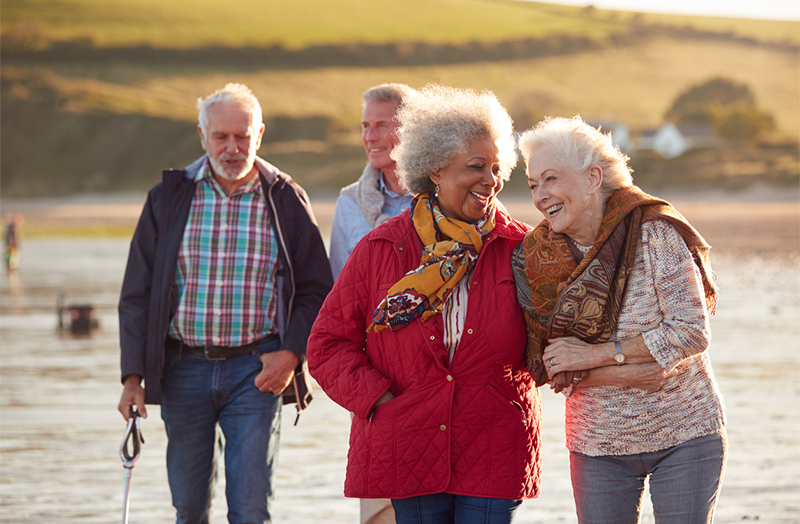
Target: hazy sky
x: 766, y: 9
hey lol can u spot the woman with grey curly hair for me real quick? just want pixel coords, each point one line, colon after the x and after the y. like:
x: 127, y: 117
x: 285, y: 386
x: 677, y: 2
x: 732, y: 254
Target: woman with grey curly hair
x: 617, y: 290
x: 422, y: 338
x: 441, y: 122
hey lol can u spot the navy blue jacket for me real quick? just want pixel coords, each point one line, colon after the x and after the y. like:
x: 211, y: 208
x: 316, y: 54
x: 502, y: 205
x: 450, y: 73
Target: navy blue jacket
x: 302, y: 278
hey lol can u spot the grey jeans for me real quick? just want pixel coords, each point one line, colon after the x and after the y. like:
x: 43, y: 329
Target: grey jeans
x: 684, y: 483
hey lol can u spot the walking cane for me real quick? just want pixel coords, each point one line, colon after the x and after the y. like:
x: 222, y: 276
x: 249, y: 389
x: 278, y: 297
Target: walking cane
x: 134, y: 436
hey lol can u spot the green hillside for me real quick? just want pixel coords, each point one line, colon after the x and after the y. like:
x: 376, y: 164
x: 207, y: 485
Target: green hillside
x: 99, y: 95
x: 294, y: 24
x: 301, y: 23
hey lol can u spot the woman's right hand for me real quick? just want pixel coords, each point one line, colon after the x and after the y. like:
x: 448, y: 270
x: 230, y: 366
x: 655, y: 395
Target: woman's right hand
x: 649, y: 376
x: 386, y: 397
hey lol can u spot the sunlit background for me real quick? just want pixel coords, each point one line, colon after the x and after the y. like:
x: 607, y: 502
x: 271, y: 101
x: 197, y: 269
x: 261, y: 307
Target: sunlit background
x: 98, y: 96
x: 107, y: 88
x: 763, y: 10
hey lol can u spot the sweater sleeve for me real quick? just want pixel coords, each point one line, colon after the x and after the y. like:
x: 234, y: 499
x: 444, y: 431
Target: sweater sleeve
x: 684, y: 329
x: 336, y: 348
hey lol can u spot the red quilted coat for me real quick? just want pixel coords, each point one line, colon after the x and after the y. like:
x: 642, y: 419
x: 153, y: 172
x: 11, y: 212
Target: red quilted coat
x: 470, y: 427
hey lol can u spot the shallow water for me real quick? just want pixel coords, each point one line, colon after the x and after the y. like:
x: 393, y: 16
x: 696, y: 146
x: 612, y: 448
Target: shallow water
x: 60, y: 432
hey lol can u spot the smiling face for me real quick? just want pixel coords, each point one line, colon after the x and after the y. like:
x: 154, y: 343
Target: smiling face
x: 469, y: 184
x: 231, y: 141
x: 379, y: 134
x: 570, y: 200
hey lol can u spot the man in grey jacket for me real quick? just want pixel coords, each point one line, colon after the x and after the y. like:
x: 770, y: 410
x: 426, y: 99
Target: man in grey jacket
x: 225, y: 276
x: 369, y: 202
x: 377, y: 196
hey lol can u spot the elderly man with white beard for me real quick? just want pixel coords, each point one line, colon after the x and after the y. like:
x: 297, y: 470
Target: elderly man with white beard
x: 226, y: 274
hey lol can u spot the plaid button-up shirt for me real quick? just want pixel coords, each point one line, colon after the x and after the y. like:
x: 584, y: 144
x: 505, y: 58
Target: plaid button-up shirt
x: 224, y: 278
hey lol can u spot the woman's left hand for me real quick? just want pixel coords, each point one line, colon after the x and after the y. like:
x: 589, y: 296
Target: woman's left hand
x: 567, y: 354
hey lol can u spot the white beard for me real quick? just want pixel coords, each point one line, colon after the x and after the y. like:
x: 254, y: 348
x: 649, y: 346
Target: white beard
x: 231, y: 173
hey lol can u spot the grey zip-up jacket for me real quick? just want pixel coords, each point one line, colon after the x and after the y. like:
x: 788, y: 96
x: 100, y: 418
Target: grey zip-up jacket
x: 302, y: 278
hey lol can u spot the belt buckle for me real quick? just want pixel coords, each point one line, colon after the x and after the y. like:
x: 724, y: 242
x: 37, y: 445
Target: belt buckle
x: 208, y: 356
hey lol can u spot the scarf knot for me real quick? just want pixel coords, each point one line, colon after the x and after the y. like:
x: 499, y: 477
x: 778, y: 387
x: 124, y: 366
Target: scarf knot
x: 451, y: 251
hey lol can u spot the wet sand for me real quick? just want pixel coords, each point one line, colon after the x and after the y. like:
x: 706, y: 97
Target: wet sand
x: 761, y: 220
x: 60, y: 432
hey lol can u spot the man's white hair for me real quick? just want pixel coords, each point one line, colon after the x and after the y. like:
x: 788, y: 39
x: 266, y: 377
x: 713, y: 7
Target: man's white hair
x: 236, y: 94
x: 438, y: 123
x: 387, y: 93
x: 579, y: 146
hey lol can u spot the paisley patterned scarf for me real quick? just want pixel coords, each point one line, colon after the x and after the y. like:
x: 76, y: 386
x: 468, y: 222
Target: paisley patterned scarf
x: 565, y: 298
x: 451, y: 250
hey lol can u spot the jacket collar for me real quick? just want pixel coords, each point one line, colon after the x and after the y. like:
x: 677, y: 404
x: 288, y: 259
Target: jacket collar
x: 505, y: 226
x: 191, y: 170
x: 265, y: 169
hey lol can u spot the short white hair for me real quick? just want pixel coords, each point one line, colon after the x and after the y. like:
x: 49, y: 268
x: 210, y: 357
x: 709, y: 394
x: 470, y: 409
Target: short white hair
x: 438, y: 122
x: 579, y: 146
x: 237, y: 94
x: 387, y: 93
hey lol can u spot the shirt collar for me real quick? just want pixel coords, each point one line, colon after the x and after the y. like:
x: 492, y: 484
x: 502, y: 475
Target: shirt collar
x: 385, y: 189
x: 204, y: 173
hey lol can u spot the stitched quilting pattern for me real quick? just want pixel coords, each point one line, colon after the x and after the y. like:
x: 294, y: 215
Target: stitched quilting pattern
x: 467, y: 427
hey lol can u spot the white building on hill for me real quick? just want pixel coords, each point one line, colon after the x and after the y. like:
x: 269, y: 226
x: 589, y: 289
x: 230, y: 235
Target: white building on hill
x: 620, y: 133
x: 671, y: 141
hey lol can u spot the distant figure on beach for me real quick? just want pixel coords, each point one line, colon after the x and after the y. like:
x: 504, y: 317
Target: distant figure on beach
x: 617, y: 289
x: 13, y: 223
x: 369, y: 202
x: 226, y: 273
x: 377, y: 196
x: 422, y: 338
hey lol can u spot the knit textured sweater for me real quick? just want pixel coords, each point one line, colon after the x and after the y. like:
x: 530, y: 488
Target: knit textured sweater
x: 664, y: 302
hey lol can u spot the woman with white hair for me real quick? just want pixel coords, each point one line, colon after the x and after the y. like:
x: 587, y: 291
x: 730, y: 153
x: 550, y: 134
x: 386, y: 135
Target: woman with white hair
x: 422, y: 337
x: 617, y: 289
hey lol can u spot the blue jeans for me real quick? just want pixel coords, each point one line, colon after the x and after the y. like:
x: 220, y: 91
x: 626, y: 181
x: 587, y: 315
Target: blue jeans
x: 444, y: 508
x: 198, y: 396
x: 684, y: 483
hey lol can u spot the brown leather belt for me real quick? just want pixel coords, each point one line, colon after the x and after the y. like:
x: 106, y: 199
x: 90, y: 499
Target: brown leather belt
x: 216, y: 352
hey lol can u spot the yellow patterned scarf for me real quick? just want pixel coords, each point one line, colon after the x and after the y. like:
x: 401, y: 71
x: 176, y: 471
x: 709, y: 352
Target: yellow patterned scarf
x: 451, y: 250
x: 563, y: 297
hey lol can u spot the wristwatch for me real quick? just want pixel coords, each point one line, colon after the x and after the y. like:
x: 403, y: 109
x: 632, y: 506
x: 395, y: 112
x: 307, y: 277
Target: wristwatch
x: 619, y: 356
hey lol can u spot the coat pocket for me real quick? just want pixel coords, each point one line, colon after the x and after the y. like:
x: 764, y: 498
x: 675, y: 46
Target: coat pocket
x: 404, y: 448
x: 513, y: 405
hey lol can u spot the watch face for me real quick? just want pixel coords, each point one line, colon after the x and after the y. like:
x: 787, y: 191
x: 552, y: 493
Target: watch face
x: 620, y: 358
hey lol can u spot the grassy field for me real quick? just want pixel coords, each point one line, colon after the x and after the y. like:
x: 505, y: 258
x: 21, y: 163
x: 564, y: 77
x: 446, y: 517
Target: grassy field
x: 300, y: 23
x: 633, y: 84
x: 111, y: 124
x: 295, y: 24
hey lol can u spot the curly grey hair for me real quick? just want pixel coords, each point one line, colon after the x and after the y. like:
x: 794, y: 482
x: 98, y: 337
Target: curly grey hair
x: 438, y: 123
x: 579, y: 146
x: 236, y: 94
x: 387, y: 93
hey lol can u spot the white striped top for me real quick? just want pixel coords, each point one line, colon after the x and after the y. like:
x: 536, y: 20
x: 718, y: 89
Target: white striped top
x: 455, y: 314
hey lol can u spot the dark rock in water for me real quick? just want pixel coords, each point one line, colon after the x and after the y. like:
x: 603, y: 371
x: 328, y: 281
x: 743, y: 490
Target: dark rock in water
x: 76, y: 318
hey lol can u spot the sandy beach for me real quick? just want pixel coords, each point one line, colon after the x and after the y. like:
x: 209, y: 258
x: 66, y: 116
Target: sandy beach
x: 60, y: 432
